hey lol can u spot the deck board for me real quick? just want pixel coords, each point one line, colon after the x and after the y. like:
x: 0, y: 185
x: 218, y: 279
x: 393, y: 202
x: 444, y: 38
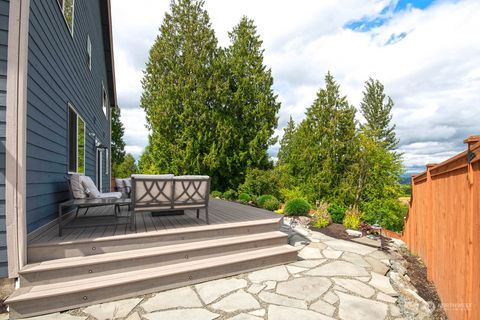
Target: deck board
x: 220, y: 211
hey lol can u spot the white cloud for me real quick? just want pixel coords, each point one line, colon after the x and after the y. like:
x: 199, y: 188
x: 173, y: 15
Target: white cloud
x: 433, y: 73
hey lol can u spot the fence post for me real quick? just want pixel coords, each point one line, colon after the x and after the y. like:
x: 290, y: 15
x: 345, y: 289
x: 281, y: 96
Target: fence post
x: 473, y: 252
x: 429, y: 224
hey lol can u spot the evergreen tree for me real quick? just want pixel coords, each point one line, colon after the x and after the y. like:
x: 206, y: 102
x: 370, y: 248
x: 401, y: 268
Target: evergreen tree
x: 117, y: 143
x: 324, y: 148
x: 286, y: 142
x: 376, y: 107
x: 126, y: 168
x: 248, y: 116
x: 179, y: 91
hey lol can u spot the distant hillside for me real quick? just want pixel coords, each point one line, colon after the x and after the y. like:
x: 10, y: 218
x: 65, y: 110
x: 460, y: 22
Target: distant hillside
x: 406, y: 178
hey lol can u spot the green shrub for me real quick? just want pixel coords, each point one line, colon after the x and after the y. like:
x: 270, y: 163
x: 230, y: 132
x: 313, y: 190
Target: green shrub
x: 388, y: 213
x: 322, y: 218
x: 271, y: 204
x: 244, y: 197
x: 352, y: 219
x: 216, y: 194
x: 297, y: 207
x: 289, y: 194
x: 264, y: 198
x: 258, y: 182
x: 337, y: 212
x: 230, y: 194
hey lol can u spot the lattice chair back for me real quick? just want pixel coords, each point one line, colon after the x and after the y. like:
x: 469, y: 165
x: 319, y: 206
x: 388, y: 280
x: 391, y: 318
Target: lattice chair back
x: 191, y: 191
x: 152, y: 192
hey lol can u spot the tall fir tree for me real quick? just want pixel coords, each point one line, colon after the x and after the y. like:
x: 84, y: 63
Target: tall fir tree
x: 376, y: 107
x: 323, y: 149
x: 248, y: 115
x: 179, y: 91
x: 117, y: 143
x: 286, y: 143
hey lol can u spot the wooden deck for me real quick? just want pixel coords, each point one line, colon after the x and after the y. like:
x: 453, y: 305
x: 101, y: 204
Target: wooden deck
x: 220, y: 212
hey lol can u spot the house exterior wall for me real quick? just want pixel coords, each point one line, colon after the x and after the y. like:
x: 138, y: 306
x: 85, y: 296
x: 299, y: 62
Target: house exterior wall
x: 58, y: 74
x: 4, y: 9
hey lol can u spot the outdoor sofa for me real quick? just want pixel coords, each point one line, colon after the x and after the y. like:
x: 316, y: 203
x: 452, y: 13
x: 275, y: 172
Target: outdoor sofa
x: 163, y: 193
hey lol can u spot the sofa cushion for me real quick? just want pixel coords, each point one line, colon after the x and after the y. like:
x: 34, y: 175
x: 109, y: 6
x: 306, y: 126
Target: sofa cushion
x: 152, y: 176
x: 116, y: 195
x: 76, y: 186
x: 90, y: 187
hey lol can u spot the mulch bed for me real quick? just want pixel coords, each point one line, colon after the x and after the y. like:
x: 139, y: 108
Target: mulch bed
x: 417, y: 272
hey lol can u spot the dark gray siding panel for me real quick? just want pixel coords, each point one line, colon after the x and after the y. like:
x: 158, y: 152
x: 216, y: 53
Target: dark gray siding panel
x: 57, y: 75
x: 4, y: 8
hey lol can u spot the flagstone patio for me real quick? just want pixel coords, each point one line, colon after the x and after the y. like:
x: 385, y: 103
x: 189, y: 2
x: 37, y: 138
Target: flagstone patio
x: 336, y: 280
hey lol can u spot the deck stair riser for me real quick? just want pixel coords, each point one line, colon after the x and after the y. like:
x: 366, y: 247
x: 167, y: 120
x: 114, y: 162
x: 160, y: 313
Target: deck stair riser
x: 68, y: 269
x: 43, y: 252
x: 37, y: 300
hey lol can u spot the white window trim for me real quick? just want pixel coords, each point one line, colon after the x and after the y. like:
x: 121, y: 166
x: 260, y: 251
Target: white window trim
x: 99, y: 168
x: 89, y: 52
x: 70, y: 106
x: 104, y: 101
x: 62, y: 9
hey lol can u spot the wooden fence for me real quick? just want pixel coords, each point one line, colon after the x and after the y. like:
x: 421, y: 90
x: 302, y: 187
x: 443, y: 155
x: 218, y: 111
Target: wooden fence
x: 443, y: 228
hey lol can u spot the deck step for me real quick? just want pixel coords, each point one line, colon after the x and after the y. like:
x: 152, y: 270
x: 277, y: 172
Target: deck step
x: 73, y: 268
x: 39, y: 252
x: 41, y: 299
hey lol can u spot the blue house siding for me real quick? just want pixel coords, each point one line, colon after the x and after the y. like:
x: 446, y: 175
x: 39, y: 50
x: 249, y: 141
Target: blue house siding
x: 58, y: 74
x: 4, y: 9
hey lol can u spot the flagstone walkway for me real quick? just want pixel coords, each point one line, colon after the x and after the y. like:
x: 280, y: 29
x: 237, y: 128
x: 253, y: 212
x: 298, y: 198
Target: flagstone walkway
x: 336, y: 280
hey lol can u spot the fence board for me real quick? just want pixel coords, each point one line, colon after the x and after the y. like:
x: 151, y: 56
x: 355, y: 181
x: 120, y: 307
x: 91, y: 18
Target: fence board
x: 443, y: 228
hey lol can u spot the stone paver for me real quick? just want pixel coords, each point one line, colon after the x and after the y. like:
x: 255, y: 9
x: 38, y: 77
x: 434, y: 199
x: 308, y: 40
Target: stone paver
x: 270, y: 297
x: 177, y: 298
x: 256, y: 288
x: 279, y: 273
x: 182, y: 314
x: 310, y: 253
x: 295, y: 270
x: 270, y: 285
x: 238, y: 301
x: 54, y: 316
x: 244, y: 316
x: 355, y: 286
x: 332, y: 254
x: 323, y: 307
x: 212, y: 290
x: 134, y: 316
x: 377, y: 266
x: 339, y: 268
x: 356, y: 259
x: 352, y: 307
x: 286, y: 313
x: 112, y: 310
x: 349, y: 246
x: 308, y: 263
x: 307, y: 289
x: 330, y: 297
x: 258, y: 313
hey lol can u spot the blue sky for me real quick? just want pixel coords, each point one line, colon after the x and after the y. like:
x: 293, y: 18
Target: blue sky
x: 426, y: 53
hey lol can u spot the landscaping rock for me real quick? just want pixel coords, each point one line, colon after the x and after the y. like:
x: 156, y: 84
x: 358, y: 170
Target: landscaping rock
x: 270, y: 297
x: 352, y: 307
x: 377, y: 266
x: 306, y: 289
x: 182, y: 314
x: 238, y: 301
x: 286, y: 313
x: 178, y: 298
x: 382, y: 283
x: 394, y: 311
x: 279, y: 273
x: 338, y: 268
x: 112, y: 310
x: 323, y: 307
x: 355, y: 286
x: 212, y: 290
x: 385, y: 297
x: 353, y: 233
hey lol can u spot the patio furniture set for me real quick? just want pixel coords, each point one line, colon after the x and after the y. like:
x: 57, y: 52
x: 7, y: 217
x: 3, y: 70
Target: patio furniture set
x: 160, y: 194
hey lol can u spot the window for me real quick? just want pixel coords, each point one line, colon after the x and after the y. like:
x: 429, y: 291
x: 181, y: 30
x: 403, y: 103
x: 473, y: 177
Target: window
x: 67, y: 7
x: 89, y: 53
x: 76, y: 142
x: 104, y: 100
